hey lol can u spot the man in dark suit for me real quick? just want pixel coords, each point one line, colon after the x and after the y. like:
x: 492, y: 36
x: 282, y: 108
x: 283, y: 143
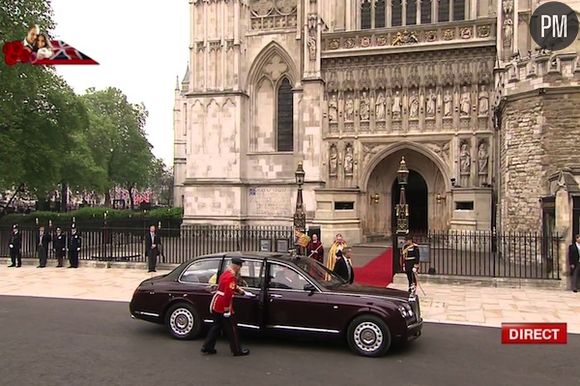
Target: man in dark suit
x: 574, y: 261
x: 343, y: 266
x: 59, y: 246
x: 152, y: 248
x: 42, y: 247
x: 15, y: 244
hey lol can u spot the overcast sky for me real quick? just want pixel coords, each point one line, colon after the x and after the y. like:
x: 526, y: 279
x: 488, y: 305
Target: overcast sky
x: 141, y: 45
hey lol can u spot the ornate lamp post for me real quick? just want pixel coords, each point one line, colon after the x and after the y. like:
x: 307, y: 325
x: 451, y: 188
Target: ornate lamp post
x: 402, y: 213
x: 299, y: 214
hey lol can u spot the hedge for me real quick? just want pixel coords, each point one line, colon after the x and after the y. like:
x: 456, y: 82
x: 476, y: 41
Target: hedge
x: 94, y: 217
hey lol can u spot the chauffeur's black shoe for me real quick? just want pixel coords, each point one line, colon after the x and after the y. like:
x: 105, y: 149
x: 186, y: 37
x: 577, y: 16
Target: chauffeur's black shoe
x: 208, y: 351
x: 242, y: 353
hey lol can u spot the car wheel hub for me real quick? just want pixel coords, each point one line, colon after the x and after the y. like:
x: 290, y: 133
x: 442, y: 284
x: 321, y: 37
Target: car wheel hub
x: 181, y: 321
x: 368, y: 336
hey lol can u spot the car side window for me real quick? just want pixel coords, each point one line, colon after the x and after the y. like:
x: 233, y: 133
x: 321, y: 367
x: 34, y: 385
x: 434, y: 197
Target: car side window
x: 251, y: 274
x: 283, y: 277
x: 202, y: 271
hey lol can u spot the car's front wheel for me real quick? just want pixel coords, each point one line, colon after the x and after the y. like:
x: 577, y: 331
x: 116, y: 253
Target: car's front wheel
x: 183, y: 321
x: 369, y: 336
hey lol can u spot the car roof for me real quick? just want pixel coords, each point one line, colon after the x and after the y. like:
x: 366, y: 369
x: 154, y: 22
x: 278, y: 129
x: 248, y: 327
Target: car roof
x: 253, y: 255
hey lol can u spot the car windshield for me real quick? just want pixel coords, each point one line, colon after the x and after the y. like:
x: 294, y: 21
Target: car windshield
x: 319, y: 272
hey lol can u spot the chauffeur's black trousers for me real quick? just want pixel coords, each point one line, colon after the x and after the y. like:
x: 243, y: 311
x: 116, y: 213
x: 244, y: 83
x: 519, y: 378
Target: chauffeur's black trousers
x: 228, y: 326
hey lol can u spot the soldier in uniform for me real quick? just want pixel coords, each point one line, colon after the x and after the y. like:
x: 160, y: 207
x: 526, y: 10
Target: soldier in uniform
x: 74, y: 246
x: 15, y: 245
x: 59, y: 246
x: 221, y: 308
x: 410, y: 262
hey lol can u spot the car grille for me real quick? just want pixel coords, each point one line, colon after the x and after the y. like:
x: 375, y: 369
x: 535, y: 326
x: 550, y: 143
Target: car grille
x: 416, y: 310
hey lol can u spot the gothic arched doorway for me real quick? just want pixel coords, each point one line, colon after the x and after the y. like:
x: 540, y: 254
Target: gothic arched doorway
x: 416, y: 194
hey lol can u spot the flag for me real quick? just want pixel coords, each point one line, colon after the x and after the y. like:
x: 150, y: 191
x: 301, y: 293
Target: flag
x: 303, y: 240
x: 63, y: 53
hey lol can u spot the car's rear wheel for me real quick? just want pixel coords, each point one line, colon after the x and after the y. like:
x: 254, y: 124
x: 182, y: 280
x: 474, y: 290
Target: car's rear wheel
x: 183, y: 321
x: 369, y: 336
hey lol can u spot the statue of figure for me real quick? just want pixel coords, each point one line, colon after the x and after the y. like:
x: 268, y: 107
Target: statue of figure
x: 397, y: 104
x: 483, y: 101
x: 431, y: 103
x: 349, y: 109
x: 482, y: 160
x: 312, y: 47
x: 464, y: 164
x: 447, y: 103
x: 333, y: 109
x: 364, y: 107
x: 333, y: 160
x: 465, y: 104
x: 348, y: 160
x: 414, y: 105
x: 508, y: 29
x: 380, y: 107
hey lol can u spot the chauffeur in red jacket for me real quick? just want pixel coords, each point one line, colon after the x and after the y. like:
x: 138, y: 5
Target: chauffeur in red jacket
x: 221, y: 308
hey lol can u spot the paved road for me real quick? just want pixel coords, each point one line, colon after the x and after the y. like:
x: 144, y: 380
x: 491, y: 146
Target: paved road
x: 72, y: 342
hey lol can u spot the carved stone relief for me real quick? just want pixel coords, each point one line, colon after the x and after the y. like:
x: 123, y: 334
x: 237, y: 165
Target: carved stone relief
x: 349, y: 108
x: 447, y: 103
x: 431, y: 104
x: 380, y: 107
x: 312, y: 36
x: 465, y: 102
x: 483, y: 101
x: 397, y: 105
x: 413, y: 105
x: 364, y: 107
x: 333, y: 161
x: 464, y: 163
x: 273, y: 14
x: 348, y: 160
x: 333, y: 109
x: 482, y: 162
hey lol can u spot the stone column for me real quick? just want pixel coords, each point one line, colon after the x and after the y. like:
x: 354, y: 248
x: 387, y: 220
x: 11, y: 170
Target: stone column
x: 563, y: 228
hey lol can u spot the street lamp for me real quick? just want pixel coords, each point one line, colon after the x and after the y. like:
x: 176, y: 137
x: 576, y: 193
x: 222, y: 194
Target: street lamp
x: 402, y: 213
x: 299, y: 214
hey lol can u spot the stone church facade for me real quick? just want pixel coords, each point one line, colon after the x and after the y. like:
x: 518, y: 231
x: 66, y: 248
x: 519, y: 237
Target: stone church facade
x: 488, y: 125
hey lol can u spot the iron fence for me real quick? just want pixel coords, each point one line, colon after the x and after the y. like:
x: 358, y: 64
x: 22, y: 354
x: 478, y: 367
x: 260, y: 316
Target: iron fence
x: 177, y: 244
x: 490, y: 254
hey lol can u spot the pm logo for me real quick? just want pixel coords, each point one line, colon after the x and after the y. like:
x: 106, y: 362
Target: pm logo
x: 554, y: 26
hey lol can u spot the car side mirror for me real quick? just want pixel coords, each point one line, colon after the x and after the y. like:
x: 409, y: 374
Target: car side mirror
x: 309, y: 287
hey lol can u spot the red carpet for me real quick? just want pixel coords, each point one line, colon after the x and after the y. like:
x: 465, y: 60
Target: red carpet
x: 378, y: 272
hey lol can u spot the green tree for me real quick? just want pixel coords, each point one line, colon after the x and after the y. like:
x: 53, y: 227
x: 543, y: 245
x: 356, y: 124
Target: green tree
x: 162, y: 182
x: 117, y: 140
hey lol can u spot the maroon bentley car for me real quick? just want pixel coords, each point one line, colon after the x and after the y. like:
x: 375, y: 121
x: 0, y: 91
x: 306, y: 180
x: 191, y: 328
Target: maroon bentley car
x: 293, y: 294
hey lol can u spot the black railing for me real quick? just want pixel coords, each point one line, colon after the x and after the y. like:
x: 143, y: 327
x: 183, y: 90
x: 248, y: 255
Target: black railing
x: 489, y: 254
x: 177, y: 245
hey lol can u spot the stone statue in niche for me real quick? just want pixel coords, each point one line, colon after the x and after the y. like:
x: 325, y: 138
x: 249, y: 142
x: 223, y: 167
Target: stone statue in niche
x: 312, y: 29
x: 483, y: 101
x: 348, y: 160
x: 333, y: 160
x: 482, y: 161
x: 397, y: 105
x: 364, y: 107
x: 414, y: 105
x: 380, y: 107
x: 333, y: 109
x: 465, y: 103
x: 431, y: 103
x: 464, y: 164
x: 349, y: 109
x: 447, y: 103
x: 508, y: 29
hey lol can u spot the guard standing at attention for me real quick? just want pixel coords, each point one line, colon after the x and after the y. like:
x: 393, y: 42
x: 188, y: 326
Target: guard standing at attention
x: 59, y: 246
x: 221, y: 308
x: 410, y: 262
x: 74, y: 247
x: 15, y: 245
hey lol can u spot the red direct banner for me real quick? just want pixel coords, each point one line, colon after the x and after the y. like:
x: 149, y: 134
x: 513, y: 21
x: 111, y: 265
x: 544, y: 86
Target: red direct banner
x: 534, y: 333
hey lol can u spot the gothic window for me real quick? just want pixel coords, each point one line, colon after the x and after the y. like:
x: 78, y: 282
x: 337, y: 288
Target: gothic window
x: 443, y: 14
x: 411, y: 12
x: 397, y: 13
x: 285, y: 117
x: 425, y: 11
x: 366, y: 14
x: 459, y: 10
x: 379, y: 13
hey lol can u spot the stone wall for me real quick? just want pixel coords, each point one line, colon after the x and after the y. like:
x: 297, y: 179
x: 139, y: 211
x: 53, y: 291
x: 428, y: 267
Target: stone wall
x: 540, y: 131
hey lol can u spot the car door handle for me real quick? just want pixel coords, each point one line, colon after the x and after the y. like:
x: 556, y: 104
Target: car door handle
x: 276, y: 296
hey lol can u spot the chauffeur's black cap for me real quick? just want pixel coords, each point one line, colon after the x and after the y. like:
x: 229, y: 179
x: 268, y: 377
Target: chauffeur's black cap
x: 237, y: 260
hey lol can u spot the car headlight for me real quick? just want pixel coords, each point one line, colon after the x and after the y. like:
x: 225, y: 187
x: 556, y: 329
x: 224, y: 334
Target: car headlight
x: 406, y: 310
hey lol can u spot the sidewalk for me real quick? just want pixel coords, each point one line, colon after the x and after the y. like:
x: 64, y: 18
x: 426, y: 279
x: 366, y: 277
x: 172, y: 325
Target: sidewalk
x: 443, y: 303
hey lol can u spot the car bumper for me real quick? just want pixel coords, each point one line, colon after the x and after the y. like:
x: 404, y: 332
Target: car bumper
x: 414, y: 330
